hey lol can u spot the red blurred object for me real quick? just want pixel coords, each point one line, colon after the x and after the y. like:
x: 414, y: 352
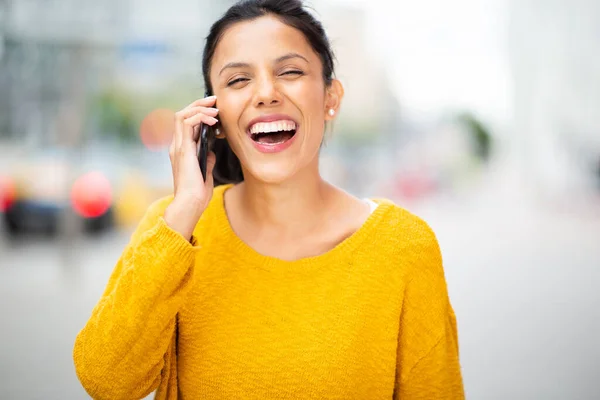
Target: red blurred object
x: 91, y: 195
x: 156, y: 129
x: 8, y: 193
x: 414, y: 186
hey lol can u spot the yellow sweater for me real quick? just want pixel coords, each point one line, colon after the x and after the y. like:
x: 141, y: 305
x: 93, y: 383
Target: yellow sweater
x: 214, y: 319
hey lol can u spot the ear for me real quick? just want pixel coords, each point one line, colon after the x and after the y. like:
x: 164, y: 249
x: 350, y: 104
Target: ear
x: 219, y: 131
x: 333, y: 99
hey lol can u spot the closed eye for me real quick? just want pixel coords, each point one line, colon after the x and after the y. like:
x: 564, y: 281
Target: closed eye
x: 233, y: 82
x: 293, y: 72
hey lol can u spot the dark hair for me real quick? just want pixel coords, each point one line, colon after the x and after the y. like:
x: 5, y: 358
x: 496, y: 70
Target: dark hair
x: 291, y: 12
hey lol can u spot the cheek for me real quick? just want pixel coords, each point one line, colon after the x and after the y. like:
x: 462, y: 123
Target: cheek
x: 230, y: 109
x: 311, y: 94
x: 311, y: 100
x: 314, y: 115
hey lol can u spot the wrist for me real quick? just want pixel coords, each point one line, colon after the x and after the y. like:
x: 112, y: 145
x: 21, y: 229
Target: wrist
x: 182, y: 216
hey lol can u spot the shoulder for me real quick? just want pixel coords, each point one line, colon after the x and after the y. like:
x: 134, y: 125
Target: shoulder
x: 409, y: 239
x: 405, y: 228
x: 417, y: 261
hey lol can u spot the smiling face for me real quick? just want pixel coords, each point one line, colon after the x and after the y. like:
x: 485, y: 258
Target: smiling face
x: 272, y: 99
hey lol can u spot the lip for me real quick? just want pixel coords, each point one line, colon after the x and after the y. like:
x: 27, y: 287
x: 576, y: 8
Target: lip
x: 273, y: 147
x: 270, y: 118
x: 276, y: 147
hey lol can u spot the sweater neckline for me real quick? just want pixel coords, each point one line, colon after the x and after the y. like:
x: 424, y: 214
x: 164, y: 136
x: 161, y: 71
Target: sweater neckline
x: 341, y: 250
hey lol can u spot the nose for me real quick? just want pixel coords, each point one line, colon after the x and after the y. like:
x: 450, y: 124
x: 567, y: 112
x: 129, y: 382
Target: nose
x: 267, y: 93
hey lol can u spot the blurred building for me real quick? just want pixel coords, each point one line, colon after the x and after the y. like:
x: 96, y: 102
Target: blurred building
x: 555, y: 58
x: 55, y: 52
x: 362, y: 148
x: 370, y: 107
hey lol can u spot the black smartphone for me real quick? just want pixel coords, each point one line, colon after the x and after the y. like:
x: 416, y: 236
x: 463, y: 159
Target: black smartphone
x: 205, y: 141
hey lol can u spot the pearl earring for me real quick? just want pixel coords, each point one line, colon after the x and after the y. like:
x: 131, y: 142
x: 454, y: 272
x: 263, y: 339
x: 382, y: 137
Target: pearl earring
x: 217, y: 132
x: 331, y: 112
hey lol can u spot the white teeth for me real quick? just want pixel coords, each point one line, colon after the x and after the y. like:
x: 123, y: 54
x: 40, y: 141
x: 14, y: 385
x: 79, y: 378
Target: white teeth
x: 275, y: 126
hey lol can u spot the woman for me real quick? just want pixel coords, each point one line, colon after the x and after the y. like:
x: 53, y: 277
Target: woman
x: 279, y: 286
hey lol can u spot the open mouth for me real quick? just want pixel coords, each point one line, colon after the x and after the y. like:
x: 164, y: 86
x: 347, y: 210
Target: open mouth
x: 271, y: 133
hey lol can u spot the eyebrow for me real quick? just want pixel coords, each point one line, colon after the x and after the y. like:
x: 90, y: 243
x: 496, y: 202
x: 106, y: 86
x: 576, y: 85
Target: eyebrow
x: 246, y: 65
x: 289, y: 56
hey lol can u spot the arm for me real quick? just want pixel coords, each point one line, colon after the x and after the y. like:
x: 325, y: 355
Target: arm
x: 428, y: 358
x: 123, y: 351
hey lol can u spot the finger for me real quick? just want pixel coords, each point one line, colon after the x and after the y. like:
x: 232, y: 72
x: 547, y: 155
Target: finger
x: 192, y: 122
x: 196, y: 133
x: 174, y: 182
x: 191, y: 111
x: 172, y: 159
x: 188, y: 129
x: 205, y: 101
x: 186, y: 113
x: 200, y: 118
x: 179, y: 118
x: 174, y: 173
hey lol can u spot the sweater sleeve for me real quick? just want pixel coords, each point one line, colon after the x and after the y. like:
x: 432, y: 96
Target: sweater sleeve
x: 428, y: 364
x: 123, y: 352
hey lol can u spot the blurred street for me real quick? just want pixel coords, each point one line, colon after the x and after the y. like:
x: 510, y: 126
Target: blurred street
x: 480, y: 116
x: 46, y: 296
x: 523, y: 280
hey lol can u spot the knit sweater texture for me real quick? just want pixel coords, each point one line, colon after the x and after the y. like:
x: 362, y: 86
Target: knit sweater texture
x: 211, y: 318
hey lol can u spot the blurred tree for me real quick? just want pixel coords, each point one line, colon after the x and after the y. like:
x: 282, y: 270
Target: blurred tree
x: 479, y: 135
x: 354, y: 132
x: 113, y: 111
x: 597, y: 172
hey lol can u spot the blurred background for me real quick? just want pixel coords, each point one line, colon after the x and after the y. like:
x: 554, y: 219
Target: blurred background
x: 481, y: 116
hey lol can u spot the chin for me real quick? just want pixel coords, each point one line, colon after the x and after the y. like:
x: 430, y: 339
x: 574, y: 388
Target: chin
x: 273, y: 172
x: 281, y: 165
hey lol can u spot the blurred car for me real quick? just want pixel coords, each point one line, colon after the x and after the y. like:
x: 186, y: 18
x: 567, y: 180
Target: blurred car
x: 100, y: 186
x: 39, y: 191
x: 147, y: 178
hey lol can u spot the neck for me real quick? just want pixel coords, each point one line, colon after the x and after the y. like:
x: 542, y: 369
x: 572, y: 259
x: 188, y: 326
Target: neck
x: 295, y: 205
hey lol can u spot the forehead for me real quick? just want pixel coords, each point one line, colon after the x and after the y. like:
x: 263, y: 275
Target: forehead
x: 261, y: 39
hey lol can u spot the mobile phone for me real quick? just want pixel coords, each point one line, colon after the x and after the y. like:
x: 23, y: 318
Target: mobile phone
x: 205, y: 140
